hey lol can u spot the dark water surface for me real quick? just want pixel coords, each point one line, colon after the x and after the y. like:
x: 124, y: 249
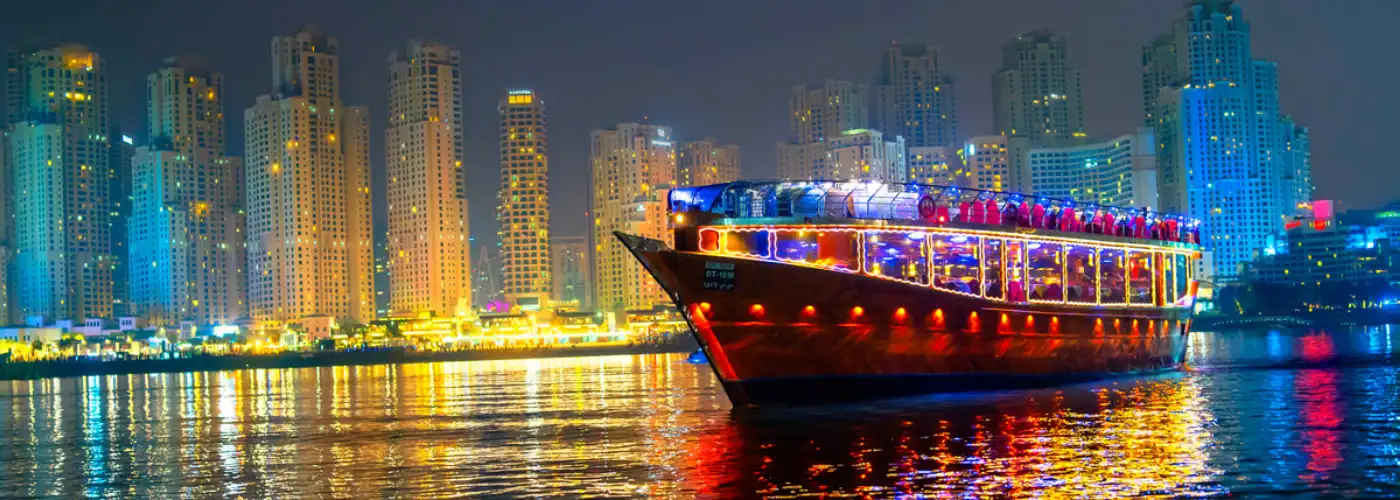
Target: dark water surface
x: 1261, y: 413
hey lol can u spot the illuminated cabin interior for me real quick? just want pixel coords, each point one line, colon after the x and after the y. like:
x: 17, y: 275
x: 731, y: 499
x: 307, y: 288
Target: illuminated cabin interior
x: 997, y: 246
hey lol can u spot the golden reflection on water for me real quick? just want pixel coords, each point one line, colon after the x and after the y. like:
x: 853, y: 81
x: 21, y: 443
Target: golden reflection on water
x: 618, y: 425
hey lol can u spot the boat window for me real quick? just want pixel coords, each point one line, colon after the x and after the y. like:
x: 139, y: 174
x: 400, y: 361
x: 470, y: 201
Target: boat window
x: 1015, y: 271
x: 1183, y: 271
x: 750, y: 243
x: 1045, y: 267
x: 796, y: 246
x: 897, y: 255
x: 709, y: 240
x: 1112, y: 285
x: 1081, y: 275
x: 1168, y: 286
x: 1140, y: 278
x: 992, y: 285
x: 956, y: 266
x: 830, y: 249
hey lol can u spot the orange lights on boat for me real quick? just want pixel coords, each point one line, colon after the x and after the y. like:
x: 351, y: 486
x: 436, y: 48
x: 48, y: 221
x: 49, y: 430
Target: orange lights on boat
x: 809, y: 311
x: 857, y: 311
x: 900, y: 315
x: 938, y: 318
x: 1030, y: 323
x: 1054, y: 324
x: 756, y: 310
x: 705, y: 307
x: 974, y: 324
x: 1098, y: 326
x: 680, y: 218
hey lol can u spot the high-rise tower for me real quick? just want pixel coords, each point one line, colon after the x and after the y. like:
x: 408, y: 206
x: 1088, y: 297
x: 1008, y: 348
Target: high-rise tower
x: 59, y: 150
x: 428, y: 249
x: 1223, y: 154
x: 186, y: 234
x: 1036, y: 93
x: 307, y: 169
x: 914, y: 97
x: 522, y: 209
x: 634, y: 167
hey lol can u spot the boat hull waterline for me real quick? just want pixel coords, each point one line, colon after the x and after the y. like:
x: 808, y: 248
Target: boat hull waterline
x: 779, y: 333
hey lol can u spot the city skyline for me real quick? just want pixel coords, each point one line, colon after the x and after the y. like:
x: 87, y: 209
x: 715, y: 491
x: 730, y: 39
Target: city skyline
x: 746, y: 105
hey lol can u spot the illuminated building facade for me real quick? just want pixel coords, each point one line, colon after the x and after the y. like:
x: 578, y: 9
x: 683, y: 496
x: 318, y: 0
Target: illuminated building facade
x: 572, y: 270
x: 523, y: 200
x: 936, y: 165
x: 1225, y: 154
x: 634, y: 167
x: 706, y: 162
x: 1321, y: 248
x: 59, y: 152
x: 914, y: 97
x: 1120, y: 171
x: 856, y: 154
x: 307, y: 159
x: 818, y: 113
x: 986, y: 157
x: 1036, y: 93
x: 428, y: 248
x: 186, y: 236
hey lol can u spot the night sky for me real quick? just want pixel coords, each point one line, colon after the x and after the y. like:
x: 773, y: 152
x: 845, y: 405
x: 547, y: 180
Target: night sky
x: 724, y: 68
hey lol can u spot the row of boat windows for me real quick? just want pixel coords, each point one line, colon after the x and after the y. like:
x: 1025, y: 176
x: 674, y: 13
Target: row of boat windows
x: 997, y: 268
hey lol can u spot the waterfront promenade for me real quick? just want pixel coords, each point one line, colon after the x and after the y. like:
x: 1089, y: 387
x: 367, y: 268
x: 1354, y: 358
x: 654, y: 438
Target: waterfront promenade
x: 176, y: 362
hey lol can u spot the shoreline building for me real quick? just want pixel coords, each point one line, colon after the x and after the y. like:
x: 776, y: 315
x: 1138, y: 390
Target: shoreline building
x: 706, y: 162
x: 914, y: 97
x: 987, y: 164
x: 1037, y: 101
x: 634, y: 168
x: 310, y: 252
x: 1121, y: 171
x: 58, y: 175
x: 1222, y: 155
x: 429, y: 255
x: 186, y: 233
x: 816, y: 114
x: 939, y: 165
x: 522, y: 209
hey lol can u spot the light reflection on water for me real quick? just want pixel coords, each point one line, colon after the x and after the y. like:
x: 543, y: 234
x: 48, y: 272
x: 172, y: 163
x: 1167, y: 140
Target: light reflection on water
x: 1262, y: 412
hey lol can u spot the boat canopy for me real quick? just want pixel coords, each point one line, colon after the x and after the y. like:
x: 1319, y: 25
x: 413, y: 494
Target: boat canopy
x: 926, y: 203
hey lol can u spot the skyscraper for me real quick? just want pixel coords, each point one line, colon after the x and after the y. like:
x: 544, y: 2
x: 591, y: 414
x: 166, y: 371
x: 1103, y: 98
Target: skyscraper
x: 119, y: 195
x: 940, y: 165
x: 572, y: 281
x: 59, y: 153
x: 186, y: 234
x: 307, y: 159
x: 634, y: 167
x: 1036, y: 93
x: 705, y: 162
x: 428, y: 248
x: 914, y: 97
x: 1223, y: 152
x: 821, y: 112
x: 523, y: 200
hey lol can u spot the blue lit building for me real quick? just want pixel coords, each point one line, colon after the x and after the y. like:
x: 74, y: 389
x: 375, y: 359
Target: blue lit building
x: 1225, y: 154
x: 57, y: 161
x: 1321, y: 249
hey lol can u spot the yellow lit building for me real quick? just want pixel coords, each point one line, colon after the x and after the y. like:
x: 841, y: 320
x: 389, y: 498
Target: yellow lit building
x: 986, y: 159
x: 522, y: 209
x: 429, y: 253
x: 634, y: 167
x: 307, y: 170
x: 706, y: 162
